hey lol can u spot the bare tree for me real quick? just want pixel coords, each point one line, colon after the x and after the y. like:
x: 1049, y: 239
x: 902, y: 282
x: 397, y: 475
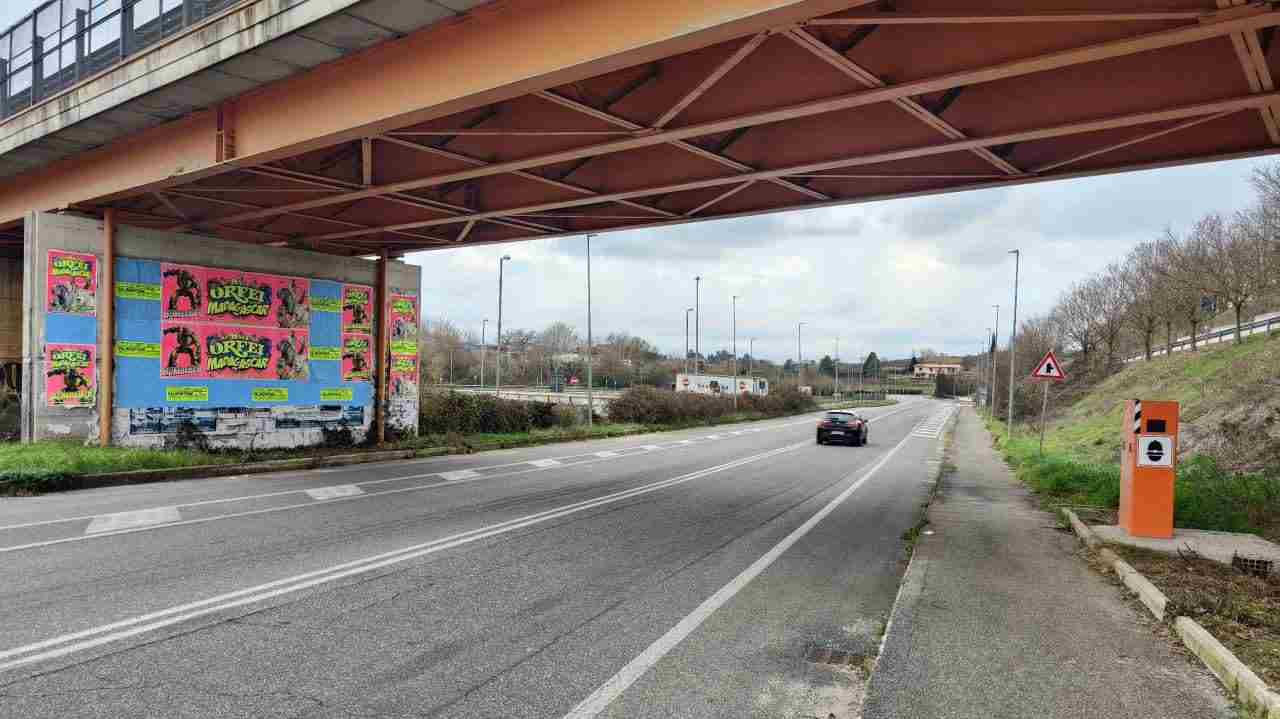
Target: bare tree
x: 559, y: 338
x: 1185, y: 282
x: 1076, y: 317
x: 1140, y: 280
x: 1232, y: 262
x: 1107, y: 297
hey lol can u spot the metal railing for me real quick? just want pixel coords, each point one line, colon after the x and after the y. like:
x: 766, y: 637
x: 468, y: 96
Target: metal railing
x: 65, y: 41
x: 1247, y: 329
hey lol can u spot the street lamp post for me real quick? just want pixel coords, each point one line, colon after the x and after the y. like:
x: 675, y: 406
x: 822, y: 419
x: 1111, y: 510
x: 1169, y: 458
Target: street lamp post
x: 799, y: 356
x: 837, y: 364
x: 751, y: 358
x: 995, y: 341
x: 1017, y: 266
x: 733, y: 313
x: 697, y: 324
x: 484, y: 325
x: 686, y: 340
x: 497, y: 387
x: 591, y: 407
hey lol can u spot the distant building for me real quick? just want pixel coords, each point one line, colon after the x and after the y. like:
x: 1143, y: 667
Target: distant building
x: 931, y: 369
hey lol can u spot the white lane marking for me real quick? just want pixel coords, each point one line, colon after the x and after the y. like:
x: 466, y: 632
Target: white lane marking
x: 304, y: 505
x: 398, y: 478
x: 129, y: 520
x: 932, y: 427
x: 545, y: 462
x: 457, y: 474
x: 685, y: 441
x: 651, y: 447
x: 618, y: 683
x: 96, y: 636
x: 337, y: 490
x: 606, y: 455
x: 712, y: 436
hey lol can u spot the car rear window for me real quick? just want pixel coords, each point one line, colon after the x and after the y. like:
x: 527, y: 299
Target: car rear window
x: 839, y: 416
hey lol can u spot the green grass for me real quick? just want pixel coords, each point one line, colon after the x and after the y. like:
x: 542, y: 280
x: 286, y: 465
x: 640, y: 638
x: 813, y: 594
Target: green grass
x: 40, y: 465
x: 1206, y: 496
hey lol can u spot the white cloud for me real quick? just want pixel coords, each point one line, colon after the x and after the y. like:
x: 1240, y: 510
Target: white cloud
x: 890, y: 276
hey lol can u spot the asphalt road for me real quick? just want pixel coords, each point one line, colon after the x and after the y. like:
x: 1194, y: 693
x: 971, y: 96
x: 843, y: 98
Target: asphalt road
x: 671, y: 575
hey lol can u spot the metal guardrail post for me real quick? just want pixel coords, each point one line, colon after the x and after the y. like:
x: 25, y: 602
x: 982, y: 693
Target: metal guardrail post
x: 126, y: 28
x: 37, y: 62
x: 4, y: 88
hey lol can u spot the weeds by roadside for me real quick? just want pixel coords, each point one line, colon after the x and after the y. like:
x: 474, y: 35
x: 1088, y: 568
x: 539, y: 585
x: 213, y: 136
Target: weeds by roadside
x: 1207, y: 496
x: 1242, y: 611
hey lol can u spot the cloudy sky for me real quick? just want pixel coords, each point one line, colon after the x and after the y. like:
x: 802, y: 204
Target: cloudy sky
x: 890, y: 276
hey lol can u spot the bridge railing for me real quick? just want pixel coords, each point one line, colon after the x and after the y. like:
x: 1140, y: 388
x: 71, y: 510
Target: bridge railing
x: 65, y: 41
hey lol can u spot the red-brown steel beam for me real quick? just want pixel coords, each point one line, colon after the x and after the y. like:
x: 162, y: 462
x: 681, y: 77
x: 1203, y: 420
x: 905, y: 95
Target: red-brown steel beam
x: 1257, y: 18
x: 980, y: 17
x: 501, y: 51
x: 1075, y: 128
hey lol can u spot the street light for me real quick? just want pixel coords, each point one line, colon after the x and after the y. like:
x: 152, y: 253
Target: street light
x: 497, y: 387
x: 799, y: 356
x: 686, y: 340
x: 1017, y: 265
x: 484, y: 325
x: 733, y: 313
x: 697, y: 324
x: 591, y: 407
x: 837, y: 363
x: 751, y: 359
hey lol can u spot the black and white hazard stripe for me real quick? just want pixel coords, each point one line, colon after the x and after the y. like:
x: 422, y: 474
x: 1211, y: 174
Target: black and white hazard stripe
x: 1137, y: 416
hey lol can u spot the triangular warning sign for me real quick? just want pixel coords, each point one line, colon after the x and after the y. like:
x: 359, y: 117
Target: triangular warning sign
x: 1049, y: 368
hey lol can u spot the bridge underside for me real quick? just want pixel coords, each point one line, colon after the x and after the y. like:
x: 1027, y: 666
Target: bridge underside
x: 873, y: 101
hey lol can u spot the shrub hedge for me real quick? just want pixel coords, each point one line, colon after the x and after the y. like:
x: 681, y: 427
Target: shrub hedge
x: 445, y: 412
x: 647, y: 405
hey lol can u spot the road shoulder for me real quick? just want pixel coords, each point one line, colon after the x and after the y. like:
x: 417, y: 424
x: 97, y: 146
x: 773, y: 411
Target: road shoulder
x: 999, y: 617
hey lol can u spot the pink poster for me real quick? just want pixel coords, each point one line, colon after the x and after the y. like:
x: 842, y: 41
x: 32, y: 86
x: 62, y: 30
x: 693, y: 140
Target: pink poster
x: 206, y: 350
x: 357, y: 309
x: 404, y: 376
x: 357, y: 358
x: 235, y: 298
x: 182, y: 294
x: 69, y: 374
x: 72, y: 283
x: 251, y: 299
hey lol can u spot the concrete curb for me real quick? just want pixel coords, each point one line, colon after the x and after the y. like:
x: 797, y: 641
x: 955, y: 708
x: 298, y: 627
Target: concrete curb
x: 1235, y: 676
x: 1251, y: 691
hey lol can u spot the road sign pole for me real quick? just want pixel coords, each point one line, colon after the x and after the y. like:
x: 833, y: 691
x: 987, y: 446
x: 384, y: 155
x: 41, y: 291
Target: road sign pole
x: 1044, y: 408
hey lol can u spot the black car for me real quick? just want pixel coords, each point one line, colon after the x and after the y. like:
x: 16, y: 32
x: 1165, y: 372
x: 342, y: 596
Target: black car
x: 844, y: 427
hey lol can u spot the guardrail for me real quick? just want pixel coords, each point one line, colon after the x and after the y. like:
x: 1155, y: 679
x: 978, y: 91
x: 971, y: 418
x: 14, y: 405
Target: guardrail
x: 65, y: 41
x: 1265, y: 325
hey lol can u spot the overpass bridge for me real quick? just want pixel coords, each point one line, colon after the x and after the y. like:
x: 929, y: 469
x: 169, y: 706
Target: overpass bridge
x: 263, y: 134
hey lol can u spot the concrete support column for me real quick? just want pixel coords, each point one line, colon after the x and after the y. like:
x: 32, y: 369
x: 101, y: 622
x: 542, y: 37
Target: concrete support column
x: 106, y: 326
x: 383, y: 364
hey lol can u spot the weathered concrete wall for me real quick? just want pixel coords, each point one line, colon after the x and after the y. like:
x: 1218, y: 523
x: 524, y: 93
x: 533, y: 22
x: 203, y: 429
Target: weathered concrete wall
x: 10, y: 310
x: 155, y: 426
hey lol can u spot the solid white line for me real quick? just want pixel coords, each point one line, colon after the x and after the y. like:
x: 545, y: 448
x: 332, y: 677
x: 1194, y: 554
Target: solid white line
x: 123, y: 629
x: 303, y: 505
x: 618, y: 683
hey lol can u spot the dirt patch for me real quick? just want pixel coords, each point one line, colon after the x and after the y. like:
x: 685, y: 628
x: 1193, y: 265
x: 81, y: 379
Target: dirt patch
x: 1242, y: 611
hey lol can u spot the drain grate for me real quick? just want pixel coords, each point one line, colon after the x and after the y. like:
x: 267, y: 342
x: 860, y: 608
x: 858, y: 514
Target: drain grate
x: 1250, y: 565
x: 826, y: 654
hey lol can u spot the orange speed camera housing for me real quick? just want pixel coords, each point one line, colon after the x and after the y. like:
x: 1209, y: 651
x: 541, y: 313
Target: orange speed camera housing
x: 1149, y: 464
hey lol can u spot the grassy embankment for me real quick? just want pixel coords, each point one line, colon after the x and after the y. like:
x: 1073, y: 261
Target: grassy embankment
x: 1228, y: 479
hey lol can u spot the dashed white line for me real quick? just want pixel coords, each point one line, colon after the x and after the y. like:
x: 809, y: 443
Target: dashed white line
x: 458, y: 474
x: 606, y: 455
x: 545, y: 462
x: 129, y: 520
x: 337, y: 490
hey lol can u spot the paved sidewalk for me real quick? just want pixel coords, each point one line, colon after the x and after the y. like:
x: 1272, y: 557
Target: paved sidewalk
x: 999, y: 617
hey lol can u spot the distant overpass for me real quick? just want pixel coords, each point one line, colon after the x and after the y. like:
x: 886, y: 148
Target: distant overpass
x: 348, y: 127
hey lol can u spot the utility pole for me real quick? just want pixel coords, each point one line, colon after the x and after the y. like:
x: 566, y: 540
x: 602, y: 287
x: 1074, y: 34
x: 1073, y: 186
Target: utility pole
x: 799, y: 371
x: 733, y: 320
x: 697, y: 324
x: 837, y: 366
x: 995, y: 342
x: 751, y: 358
x: 1013, y: 334
x: 497, y: 387
x: 686, y: 340
x: 591, y: 407
x: 483, y: 326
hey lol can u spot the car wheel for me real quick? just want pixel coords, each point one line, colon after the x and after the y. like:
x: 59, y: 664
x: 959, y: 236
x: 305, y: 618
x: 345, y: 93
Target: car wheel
x: 819, y: 440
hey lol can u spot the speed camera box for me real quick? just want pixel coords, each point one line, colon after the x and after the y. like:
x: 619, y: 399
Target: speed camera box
x: 1148, y: 468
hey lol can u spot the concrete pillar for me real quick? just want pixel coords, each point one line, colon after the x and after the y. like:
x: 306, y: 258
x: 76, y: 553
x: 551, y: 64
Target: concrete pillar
x: 106, y: 326
x: 383, y: 363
